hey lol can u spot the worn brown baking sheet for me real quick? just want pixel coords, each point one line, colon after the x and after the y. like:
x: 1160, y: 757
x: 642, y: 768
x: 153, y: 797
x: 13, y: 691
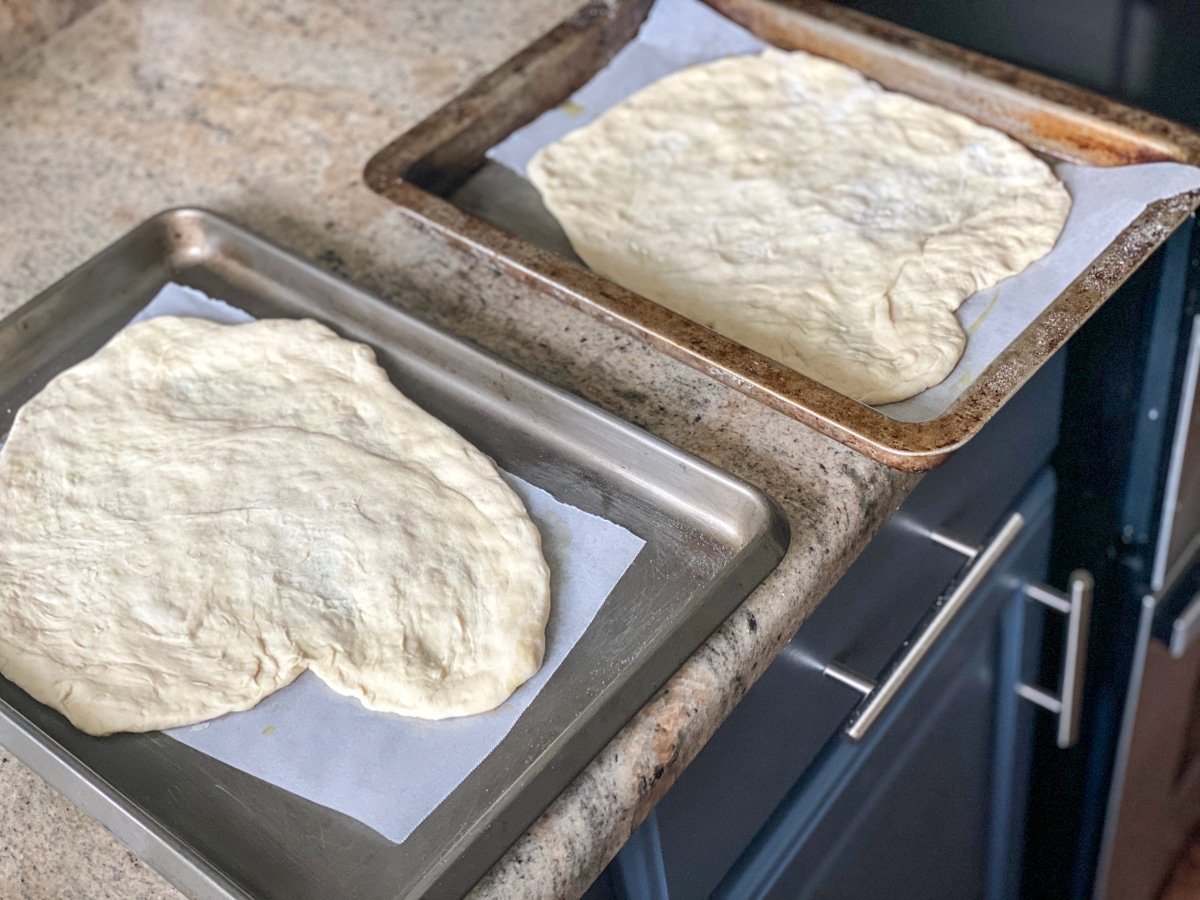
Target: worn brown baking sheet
x: 491, y: 210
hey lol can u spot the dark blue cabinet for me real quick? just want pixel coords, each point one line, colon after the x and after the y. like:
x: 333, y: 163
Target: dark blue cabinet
x: 929, y: 804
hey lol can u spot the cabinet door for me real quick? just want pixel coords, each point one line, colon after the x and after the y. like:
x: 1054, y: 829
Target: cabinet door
x: 707, y: 819
x: 930, y: 803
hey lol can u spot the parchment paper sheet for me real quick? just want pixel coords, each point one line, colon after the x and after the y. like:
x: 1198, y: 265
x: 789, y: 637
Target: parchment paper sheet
x: 387, y: 771
x: 681, y: 33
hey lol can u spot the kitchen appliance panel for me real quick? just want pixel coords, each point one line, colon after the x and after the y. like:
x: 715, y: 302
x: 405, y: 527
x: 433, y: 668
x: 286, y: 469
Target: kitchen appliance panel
x: 1157, y: 800
x: 1180, y: 523
x: 1154, y: 803
x: 220, y: 833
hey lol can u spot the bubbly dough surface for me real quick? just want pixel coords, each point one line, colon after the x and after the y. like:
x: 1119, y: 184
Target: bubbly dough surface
x: 199, y: 512
x: 787, y: 202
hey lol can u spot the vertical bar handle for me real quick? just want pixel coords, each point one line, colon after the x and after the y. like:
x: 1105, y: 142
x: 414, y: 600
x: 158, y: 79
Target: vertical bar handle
x: 1185, y: 629
x: 1076, y: 605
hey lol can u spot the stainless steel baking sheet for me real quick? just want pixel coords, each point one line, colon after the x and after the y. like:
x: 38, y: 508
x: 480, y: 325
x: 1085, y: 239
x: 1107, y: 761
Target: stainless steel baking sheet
x: 217, y: 832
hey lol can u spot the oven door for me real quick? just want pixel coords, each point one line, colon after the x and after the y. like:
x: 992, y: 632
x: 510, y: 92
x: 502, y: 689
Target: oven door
x: 1154, y: 797
x: 1155, y: 800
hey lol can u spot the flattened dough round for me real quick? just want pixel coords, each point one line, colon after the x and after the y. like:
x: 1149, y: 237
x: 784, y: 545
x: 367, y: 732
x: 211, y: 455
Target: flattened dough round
x: 199, y: 512
x: 787, y: 202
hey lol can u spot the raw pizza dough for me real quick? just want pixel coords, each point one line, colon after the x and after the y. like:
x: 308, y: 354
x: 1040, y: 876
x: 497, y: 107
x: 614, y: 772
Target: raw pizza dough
x: 200, y: 512
x: 785, y: 201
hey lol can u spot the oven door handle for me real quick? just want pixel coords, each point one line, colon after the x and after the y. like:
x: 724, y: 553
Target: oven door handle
x: 1076, y: 605
x: 1185, y: 629
x: 877, y: 696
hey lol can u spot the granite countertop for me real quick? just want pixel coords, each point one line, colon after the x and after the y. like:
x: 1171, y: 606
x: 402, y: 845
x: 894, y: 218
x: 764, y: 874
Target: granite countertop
x: 267, y: 112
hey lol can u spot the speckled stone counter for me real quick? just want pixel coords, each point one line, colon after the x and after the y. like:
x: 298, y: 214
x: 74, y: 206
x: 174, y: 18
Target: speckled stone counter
x: 267, y: 112
x: 26, y: 23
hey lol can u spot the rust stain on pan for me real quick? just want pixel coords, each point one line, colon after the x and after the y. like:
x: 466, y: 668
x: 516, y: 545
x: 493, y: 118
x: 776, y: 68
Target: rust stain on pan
x: 1039, y: 111
x: 1043, y: 113
x: 1095, y: 145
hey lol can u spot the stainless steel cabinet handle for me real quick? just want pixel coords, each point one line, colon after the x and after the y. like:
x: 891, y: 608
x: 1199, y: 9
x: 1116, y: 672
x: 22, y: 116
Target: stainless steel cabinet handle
x: 1077, y: 606
x: 1185, y: 628
x: 877, y: 695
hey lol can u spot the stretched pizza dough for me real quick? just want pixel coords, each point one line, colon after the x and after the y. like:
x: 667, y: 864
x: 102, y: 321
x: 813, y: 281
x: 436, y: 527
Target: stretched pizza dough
x: 200, y: 512
x: 788, y: 203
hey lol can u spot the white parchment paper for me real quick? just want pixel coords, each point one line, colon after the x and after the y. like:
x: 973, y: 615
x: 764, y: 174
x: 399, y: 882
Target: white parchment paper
x: 681, y: 33
x: 390, y: 772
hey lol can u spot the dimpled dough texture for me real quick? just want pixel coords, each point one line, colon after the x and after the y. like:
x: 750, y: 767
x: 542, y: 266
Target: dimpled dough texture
x: 788, y: 203
x: 200, y: 512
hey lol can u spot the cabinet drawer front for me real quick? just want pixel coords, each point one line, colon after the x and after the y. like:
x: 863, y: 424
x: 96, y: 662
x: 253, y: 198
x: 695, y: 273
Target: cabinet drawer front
x: 889, y: 589
x: 909, y: 812
x: 776, y: 734
x: 728, y: 792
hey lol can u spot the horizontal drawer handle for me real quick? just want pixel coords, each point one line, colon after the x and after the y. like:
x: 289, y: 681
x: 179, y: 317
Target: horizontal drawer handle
x: 878, y: 695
